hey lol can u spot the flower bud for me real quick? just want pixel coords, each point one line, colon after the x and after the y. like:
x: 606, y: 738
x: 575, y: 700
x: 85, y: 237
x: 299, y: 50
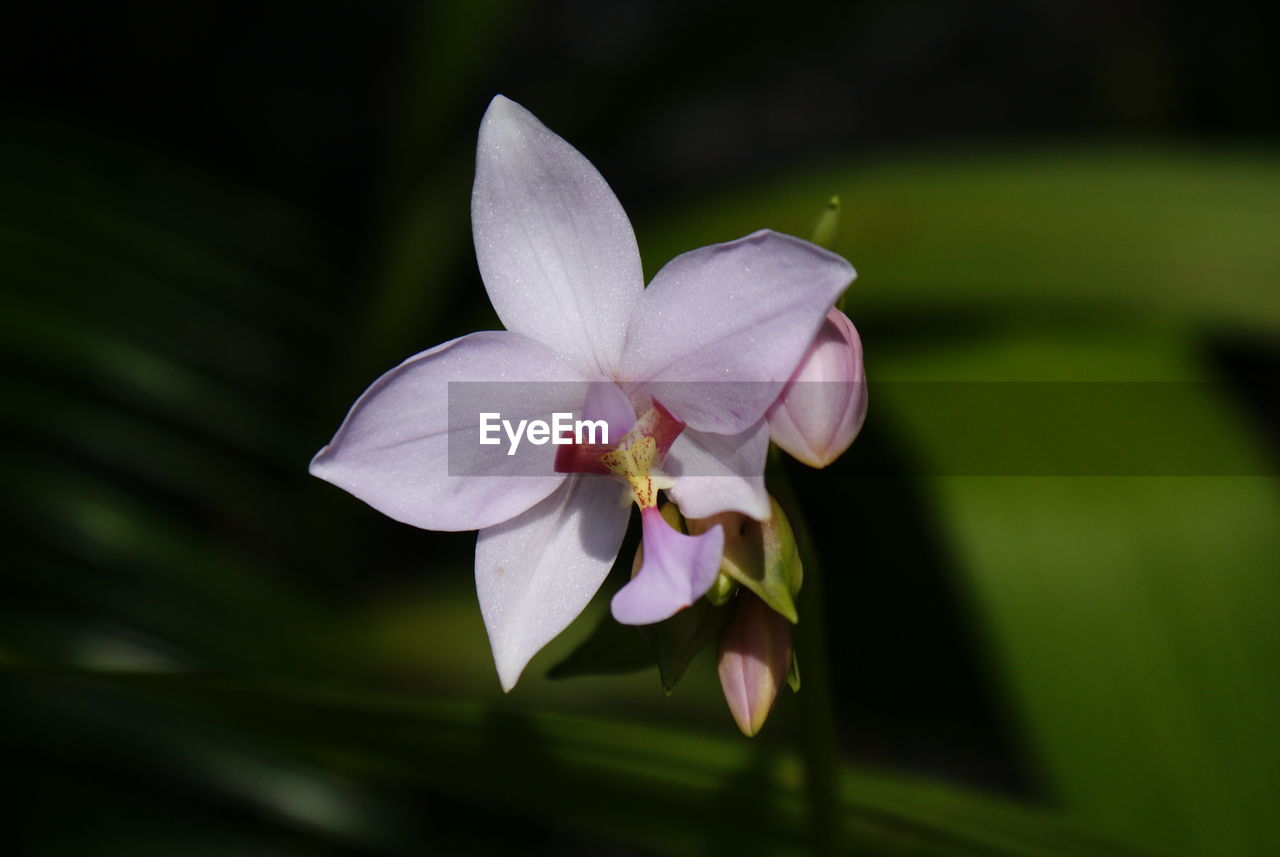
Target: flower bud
x: 753, y: 659
x: 822, y: 407
x: 723, y: 589
x: 824, y: 230
x: 760, y: 555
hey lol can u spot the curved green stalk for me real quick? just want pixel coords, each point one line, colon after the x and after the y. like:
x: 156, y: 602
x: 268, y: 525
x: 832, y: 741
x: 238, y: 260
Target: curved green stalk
x: 819, y: 747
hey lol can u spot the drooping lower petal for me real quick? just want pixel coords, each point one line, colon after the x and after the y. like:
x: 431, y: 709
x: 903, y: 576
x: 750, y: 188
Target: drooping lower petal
x: 721, y: 329
x: 677, y: 571
x: 717, y: 473
x: 393, y: 449
x: 536, y: 572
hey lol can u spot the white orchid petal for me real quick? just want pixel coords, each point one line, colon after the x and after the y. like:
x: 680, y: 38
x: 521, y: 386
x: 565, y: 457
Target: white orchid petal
x: 536, y: 573
x: 720, y: 473
x: 605, y: 401
x: 556, y: 250
x: 393, y: 449
x: 721, y: 329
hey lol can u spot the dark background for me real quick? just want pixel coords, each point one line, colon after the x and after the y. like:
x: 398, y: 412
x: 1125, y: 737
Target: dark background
x: 224, y: 219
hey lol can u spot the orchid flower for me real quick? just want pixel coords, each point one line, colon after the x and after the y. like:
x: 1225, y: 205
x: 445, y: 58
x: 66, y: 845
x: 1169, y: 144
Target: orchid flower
x: 683, y: 370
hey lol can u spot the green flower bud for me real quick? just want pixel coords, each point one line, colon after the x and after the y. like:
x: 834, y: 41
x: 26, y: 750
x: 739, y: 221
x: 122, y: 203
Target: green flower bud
x: 722, y: 590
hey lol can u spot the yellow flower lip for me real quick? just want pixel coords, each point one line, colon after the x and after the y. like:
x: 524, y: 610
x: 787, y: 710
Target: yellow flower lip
x: 633, y: 463
x: 640, y: 451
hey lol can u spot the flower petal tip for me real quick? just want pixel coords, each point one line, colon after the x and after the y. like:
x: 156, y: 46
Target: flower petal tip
x: 830, y: 255
x: 510, y: 659
x: 503, y: 109
x: 316, y: 466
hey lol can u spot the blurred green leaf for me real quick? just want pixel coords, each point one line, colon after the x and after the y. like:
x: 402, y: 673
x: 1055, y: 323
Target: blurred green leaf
x: 1125, y: 235
x: 1132, y: 616
x: 1129, y: 615
x: 582, y: 774
x: 678, y: 640
x: 423, y: 236
x: 611, y: 648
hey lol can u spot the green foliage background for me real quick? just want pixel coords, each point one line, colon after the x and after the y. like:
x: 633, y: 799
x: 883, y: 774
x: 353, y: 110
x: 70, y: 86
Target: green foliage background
x: 203, y: 651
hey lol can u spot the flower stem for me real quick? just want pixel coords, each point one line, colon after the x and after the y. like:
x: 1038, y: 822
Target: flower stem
x: 819, y: 747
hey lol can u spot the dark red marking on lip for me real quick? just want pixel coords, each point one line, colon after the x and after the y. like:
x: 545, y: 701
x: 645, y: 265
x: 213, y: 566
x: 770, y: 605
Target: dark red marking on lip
x: 661, y: 425
x: 581, y: 458
x: 657, y: 423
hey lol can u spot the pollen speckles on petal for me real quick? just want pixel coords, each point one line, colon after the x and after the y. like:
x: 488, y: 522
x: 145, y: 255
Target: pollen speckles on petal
x: 643, y: 452
x: 644, y: 448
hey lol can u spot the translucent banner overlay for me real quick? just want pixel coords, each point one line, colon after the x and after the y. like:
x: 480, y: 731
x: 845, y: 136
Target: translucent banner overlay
x: 971, y: 428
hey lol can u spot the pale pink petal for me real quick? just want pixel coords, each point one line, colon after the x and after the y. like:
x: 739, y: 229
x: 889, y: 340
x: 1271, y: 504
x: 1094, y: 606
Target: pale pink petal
x: 606, y: 401
x: 393, y: 449
x: 677, y: 571
x: 556, y: 250
x: 720, y: 473
x: 720, y: 330
x: 536, y: 572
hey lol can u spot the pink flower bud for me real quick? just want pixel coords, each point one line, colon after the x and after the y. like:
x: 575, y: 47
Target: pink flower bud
x: 822, y: 407
x: 754, y: 655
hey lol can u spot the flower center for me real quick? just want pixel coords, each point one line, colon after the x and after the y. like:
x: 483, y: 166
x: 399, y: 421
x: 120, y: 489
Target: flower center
x: 633, y: 464
x: 633, y: 459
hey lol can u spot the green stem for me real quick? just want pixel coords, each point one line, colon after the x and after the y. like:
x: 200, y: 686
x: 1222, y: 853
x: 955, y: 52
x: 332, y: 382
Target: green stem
x: 820, y: 749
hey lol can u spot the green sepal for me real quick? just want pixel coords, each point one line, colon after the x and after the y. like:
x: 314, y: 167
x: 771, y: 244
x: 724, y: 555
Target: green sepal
x: 826, y: 228
x: 793, y: 673
x: 824, y: 231
x: 676, y: 641
x: 761, y: 556
x: 671, y: 514
x: 611, y: 648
